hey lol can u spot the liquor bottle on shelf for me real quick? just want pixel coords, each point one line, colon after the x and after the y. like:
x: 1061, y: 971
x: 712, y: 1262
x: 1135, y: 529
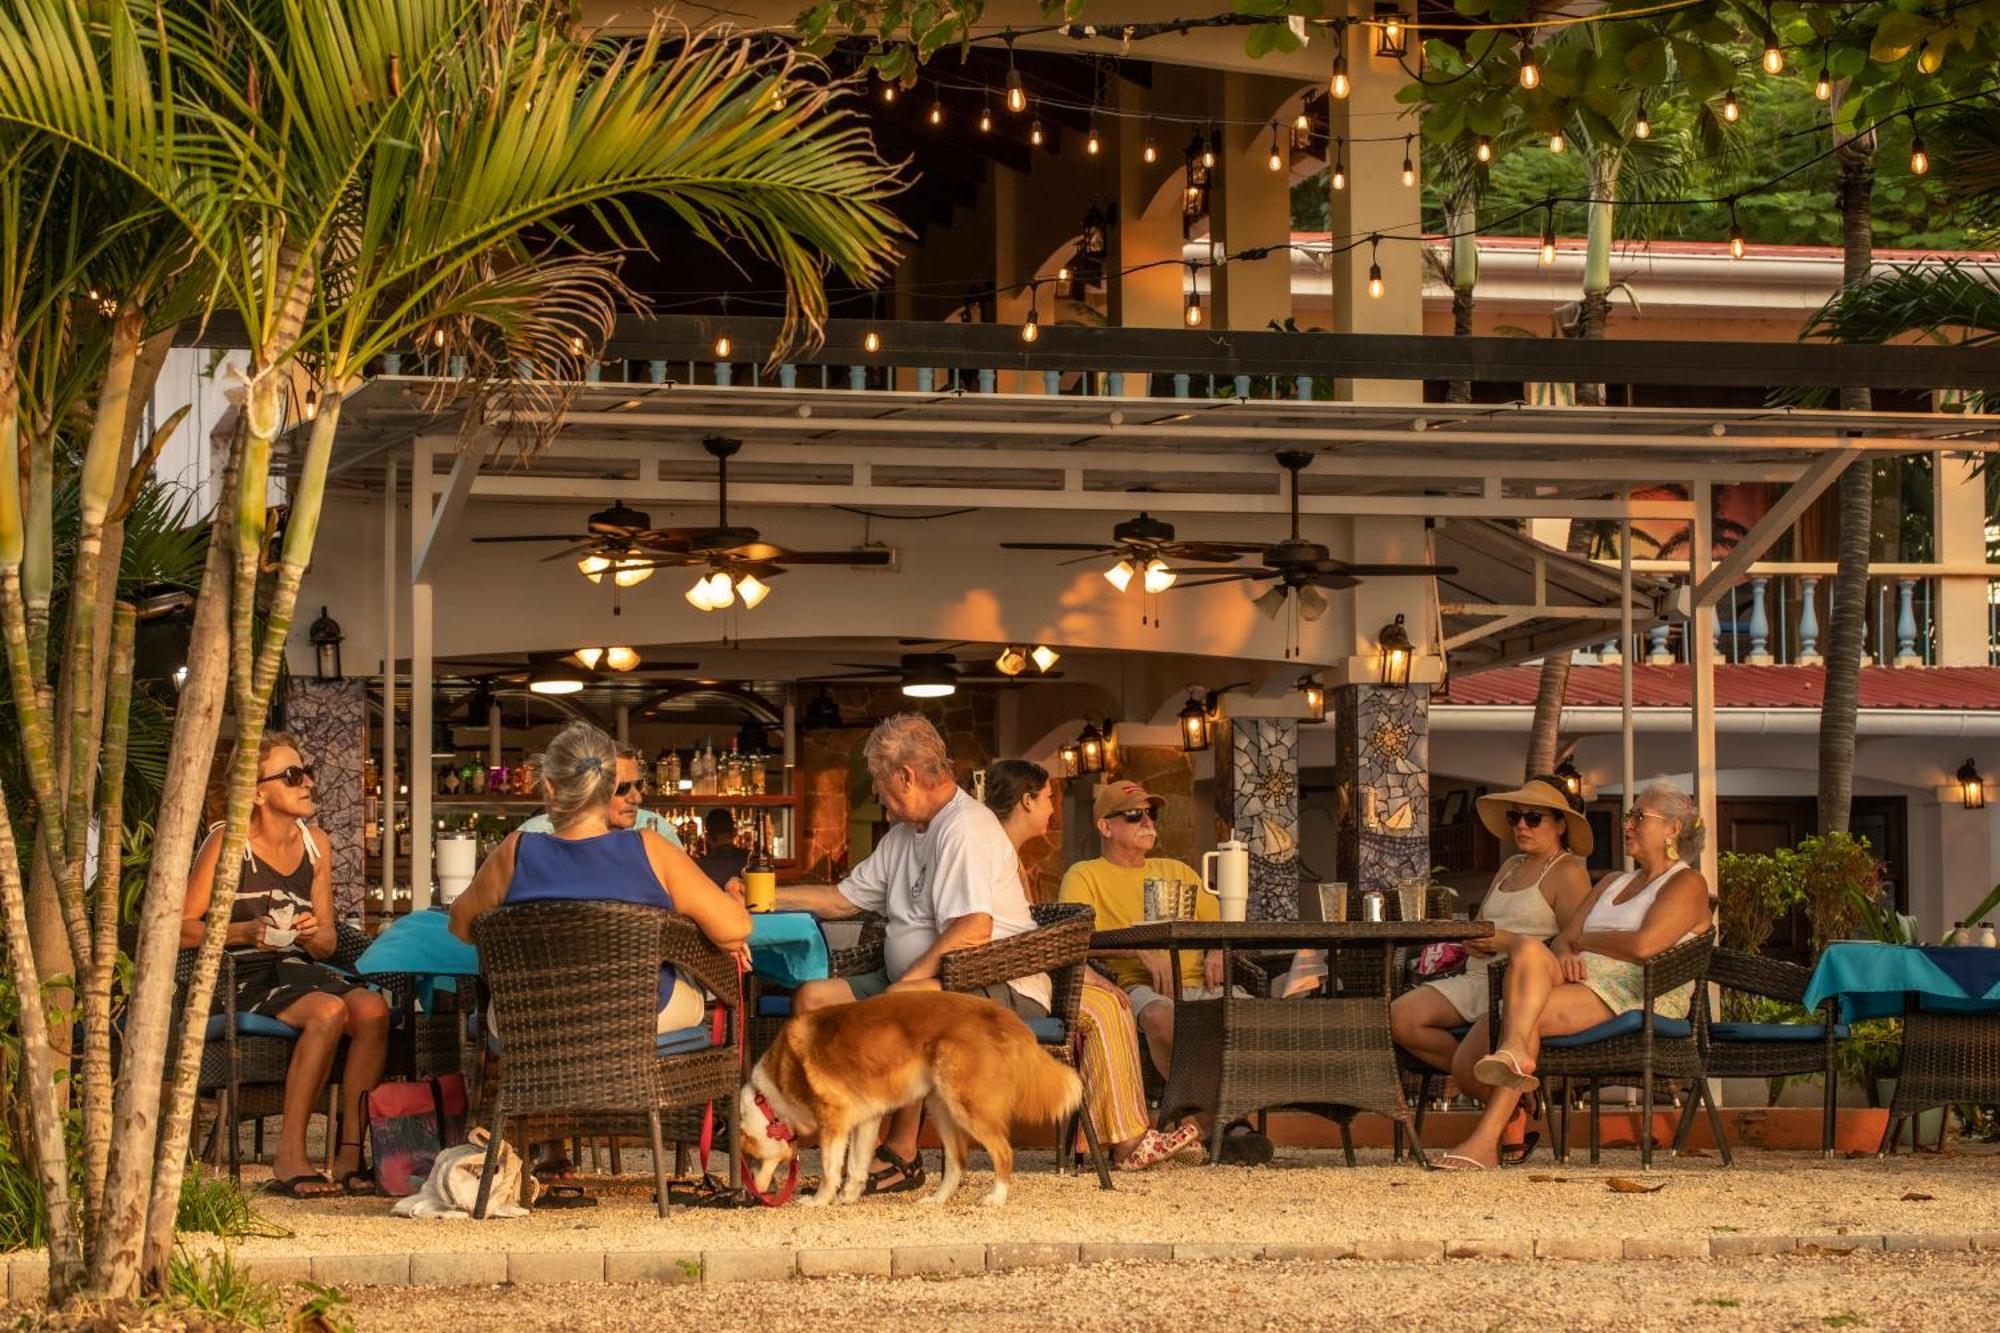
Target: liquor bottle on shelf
x: 670, y: 785
x: 472, y: 778
x: 663, y: 769
x: 448, y: 780
x: 403, y: 836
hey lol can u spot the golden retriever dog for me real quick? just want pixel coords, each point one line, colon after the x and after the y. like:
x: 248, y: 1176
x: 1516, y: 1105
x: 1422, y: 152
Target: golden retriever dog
x: 837, y: 1072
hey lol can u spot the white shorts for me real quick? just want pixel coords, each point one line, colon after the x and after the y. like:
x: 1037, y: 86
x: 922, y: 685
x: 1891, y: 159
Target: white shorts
x: 1144, y: 997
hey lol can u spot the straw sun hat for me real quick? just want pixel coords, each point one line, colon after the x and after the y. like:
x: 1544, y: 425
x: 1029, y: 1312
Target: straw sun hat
x: 1541, y: 792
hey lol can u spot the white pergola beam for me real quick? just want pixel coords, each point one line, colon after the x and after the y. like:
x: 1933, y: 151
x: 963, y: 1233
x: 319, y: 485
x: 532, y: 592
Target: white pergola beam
x: 1775, y: 523
x: 444, y: 518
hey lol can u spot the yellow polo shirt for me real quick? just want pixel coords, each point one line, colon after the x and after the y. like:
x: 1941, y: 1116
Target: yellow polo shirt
x: 1118, y: 895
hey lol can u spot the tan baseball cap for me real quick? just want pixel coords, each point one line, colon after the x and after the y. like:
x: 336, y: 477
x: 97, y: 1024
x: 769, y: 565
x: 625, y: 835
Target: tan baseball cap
x: 1116, y: 797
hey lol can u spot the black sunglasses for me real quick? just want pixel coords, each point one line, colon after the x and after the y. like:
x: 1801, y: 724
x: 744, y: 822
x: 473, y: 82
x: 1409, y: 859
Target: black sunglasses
x: 636, y: 787
x: 1133, y: 816
x: 1532, y: 818
x: 295, y: 776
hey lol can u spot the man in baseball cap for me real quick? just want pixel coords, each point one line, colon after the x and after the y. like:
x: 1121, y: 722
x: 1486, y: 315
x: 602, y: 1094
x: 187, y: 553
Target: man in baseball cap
x: 1114, y: 885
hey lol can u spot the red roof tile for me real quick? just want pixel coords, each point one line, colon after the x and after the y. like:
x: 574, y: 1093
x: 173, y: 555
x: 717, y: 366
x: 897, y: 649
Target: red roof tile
x: 1964, y: 688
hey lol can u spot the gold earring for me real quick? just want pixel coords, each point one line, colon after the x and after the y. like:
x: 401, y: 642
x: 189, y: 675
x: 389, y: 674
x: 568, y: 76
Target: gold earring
x: 1673, y: 848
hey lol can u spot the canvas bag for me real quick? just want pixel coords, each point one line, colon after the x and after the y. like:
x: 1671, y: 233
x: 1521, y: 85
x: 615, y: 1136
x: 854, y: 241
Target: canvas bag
x: 452, y: 1188
x: 409, y: 1124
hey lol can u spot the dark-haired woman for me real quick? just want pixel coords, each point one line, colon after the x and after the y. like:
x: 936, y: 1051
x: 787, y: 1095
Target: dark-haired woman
x: 1019, y: 792
x: 1534, y: 896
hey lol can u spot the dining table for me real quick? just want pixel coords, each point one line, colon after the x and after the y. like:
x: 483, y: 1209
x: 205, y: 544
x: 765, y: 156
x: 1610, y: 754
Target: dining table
x: 1326, y: 1053
x: 1949, y: 1002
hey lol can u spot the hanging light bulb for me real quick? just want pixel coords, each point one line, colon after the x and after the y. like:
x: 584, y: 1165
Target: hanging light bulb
x: 1339, y: 85
x: 1549, y: 237
x: 1823, y: 85
x: 752, y: 590
x: 1035, y: 132
x: 437, y: 336
x: 311, y: 406
x: 1120, y: 575
x: 1340, y: 164
x: 871, y: 342
x: 1409, y: 163
x: 1062, y: 273
x: 592, y: 567
x: 1033, y: 328
x: 1208, y: 149
x: 937, y: 113
x: 1556, y: 141
x: 1774, y: 56
x: 1017, y: 96
x: 1375, y: 287
x: 1920, y: 161
x: 1044, y: 657
x: 1737, y: 246
x: 985, y: 120
x: 1531, y: 73
x: 1093, y: 145
x: 1158, y: 577
x: 1484, y: 150
x: 1732, y: 110
x: 1642, y: 128
x: 889, y: 93
x: 1151, y: 152
x: 1192, y: 310
x: 1276, y: 161
x: 723, y: 346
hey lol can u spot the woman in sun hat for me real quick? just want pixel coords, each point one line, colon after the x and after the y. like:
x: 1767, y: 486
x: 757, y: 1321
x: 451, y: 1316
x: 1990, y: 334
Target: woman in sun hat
x: 1534, y: 896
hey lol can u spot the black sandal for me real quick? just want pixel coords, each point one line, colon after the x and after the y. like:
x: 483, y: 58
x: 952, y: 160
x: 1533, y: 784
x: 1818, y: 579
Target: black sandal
x: 289, y: 1187
x: 907, y: 1175
x: 348, y: 1186
x: 1517, y: 1154
x: 564, y: 1194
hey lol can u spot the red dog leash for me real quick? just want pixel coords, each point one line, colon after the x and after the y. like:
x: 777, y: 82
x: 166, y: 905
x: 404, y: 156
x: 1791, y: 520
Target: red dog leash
x: 773, y: 1128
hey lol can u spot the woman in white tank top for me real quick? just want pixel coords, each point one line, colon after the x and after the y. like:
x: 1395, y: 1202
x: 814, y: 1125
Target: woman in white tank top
x: 1590, y: 972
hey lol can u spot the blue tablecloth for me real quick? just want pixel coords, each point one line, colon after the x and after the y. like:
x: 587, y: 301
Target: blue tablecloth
x: 1870, y: 980
x: 787, y: 948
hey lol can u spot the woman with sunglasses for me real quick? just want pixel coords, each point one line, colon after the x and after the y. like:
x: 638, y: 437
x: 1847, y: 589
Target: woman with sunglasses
x: 280, y: 931
x: 1592, y: 971
x: 1535, y: 894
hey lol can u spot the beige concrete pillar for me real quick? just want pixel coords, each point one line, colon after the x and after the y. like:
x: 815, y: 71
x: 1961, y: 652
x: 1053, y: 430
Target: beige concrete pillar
x: 1376, y: 201
x: 1962, y: 615
x: 1149, y: 222
x: 1252, y: 207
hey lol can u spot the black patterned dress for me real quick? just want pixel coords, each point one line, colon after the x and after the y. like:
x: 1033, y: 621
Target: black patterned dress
x: 268, y: 981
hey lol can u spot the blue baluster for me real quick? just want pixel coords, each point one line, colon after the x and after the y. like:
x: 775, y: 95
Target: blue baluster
x: 1906, y: 623
x: 987, y: 380
x: 1182, y: 382
x: 924, y: 379
x: 857, y: 377
x: 1656, y: 644
x: 1302, y: 388
x: 1051, y: 382
x: 1114, y: 383
x: 593, y: 372
x: 1760, y: 623
x: 1242, y: 384
x: 1610, y: 654
x: 788, y: 376
x: 724, y: 373
x: 656, y: 372
x: 392, y: 363
x: 1808, y: 622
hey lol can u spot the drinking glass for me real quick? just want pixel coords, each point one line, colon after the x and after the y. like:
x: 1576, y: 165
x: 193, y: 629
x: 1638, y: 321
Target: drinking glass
x: 1333, y: 900
x: 1410, y: 898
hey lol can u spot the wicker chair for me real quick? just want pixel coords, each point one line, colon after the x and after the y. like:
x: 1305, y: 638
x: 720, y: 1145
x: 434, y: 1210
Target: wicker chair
x: 573, y: 992
x: 1060, y: 946
x: 1638, y: 1047
x: 1774, y: 1050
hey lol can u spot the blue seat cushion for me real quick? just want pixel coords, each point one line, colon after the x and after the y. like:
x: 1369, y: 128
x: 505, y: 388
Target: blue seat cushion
x: 774, y: 1006
x: 682, y: 1040
x: 1623, y: 1025
x: 249, y: 1025
x: 1460, y: 1030
x: 1775, y: 1031
x: 1048, y: 1030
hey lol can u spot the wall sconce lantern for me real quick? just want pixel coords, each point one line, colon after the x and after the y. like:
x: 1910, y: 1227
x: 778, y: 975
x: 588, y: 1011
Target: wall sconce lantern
x: 1095, y: 239
x: 1194, y: 725
x: 1090, y: 748
x: 325, y: 636
x: 1396, y: 652
x: 1971, y: 787
x: 1071, y: 760
x: 1392, y: 39
x: 1571, y: 779
x: 1315, y: 697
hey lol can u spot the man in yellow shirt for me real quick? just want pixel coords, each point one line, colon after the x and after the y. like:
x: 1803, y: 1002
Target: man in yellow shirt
x: 1114, y: 886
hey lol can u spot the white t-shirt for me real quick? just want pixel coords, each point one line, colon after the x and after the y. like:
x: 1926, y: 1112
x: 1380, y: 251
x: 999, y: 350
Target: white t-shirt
x: 960, y: 864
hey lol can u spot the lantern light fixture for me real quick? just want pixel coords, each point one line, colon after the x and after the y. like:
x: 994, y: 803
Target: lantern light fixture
x: 1070, y: 758
x: 1571, y: 778
x: 1396, y: 652
x: 1090, y: 748
x: 1314, y: 694
x: 1971, y: 786
x: 1392, y: 41
x: 325, y: 636
x: 1194, y: 724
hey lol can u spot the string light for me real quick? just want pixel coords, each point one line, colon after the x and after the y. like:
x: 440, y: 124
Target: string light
x: 1409, y: 165
x: 723, y: 346
x: 437, y: 336
x: 1774, y: 55
x: 1375, y: 287
x: 1549, y: 235
x: 311, y: 404
x: 1737, y: 246
x: 1642, y: 128
x: 1732, y: 111
x: 1193, y: 315
x: 1556, y: 141
x: 1339, y: 85
x: 1035, y: 132
x: 871, y: 341
x: 1484, y: 152
x: 1531, y: 73
x: 1920, y: 161
x: 1210, y: 148
x: 1151, y: 153
x: 985, y: 118
x: 1277, y: 160
x: 1017, y: 96
x: 1093, y: 145
x: 937, y: 113
x: 1033, y: 328
x: 1340, y: 164
x: 889, y: 93
x: 1823, y: 86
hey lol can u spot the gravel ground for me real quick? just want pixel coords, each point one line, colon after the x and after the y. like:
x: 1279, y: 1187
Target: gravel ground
x: 1917, y: 1292
x: 1302, y: 1196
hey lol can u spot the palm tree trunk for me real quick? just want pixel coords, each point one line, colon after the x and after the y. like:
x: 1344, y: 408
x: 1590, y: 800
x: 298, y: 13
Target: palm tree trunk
x: 1545, y: 732
x: 1595, y: 311
x: 1848, y: 617
x: 104, y: 947
x: 1463, y: 217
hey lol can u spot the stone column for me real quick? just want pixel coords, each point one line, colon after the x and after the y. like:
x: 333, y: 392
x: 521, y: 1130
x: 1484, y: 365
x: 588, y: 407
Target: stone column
x: 329, y: 719
x: 1382, y: 766
x: 1257, y: 800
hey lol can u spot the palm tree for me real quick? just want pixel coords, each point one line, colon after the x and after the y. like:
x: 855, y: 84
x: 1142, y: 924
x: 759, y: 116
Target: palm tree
x: 346, y: 179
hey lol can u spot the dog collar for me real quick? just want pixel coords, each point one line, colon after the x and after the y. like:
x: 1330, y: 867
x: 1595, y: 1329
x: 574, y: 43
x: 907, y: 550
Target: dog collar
x: 780, y: 1132
x: 774, y: 1128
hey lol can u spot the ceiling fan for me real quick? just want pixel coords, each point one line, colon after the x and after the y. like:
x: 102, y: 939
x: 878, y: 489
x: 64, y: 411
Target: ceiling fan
x: 1302, y: 568
x: 925, y: 675
x: 736, y: 561
x: 1143, y: 545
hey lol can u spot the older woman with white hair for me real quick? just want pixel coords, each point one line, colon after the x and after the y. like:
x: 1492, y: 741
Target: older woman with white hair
x: 1591, y: 972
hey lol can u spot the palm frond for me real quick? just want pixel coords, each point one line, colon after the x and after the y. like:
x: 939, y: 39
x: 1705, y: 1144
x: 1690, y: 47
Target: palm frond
x: 1947, y: 300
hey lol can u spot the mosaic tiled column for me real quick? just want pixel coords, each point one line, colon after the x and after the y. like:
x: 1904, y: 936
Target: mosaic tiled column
x: 1257, y: 800
x: 329, y: 718
x: 1382, y: 748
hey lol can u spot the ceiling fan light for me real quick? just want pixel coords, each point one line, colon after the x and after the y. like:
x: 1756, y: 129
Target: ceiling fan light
x: 752, y: 590
x: 554, y: 680
x: 933, y: 689
x: 621, y: 659
x: 929, y: 679
x: 697, y: 596
x: 721, y: 592
x: 588, y: 658
x: 1158, y: 577
x: 1011, y: 661
x: 1045, y: 657
x: 1120, y: 574
x: 1312, y: 603
x: 1271, y: 601
x: 633, y: 570
x: 592, y: 567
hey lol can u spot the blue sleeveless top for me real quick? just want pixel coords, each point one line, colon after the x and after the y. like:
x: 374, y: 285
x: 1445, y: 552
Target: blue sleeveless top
x: 609, y: 867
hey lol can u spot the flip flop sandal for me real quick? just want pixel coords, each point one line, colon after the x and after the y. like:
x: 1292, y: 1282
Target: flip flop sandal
x: 1502, y: 1069
x: 358, y: 1184
x: 1517, y: 1154
x: 564, y: 1194
x: 1452, y: 1161
x: 1244, y: 1146
x: 909, y: 1175
x: 290, y: 1187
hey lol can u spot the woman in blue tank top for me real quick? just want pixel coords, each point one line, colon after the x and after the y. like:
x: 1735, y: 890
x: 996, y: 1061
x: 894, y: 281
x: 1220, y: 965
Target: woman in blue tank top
x: 586, y: 858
